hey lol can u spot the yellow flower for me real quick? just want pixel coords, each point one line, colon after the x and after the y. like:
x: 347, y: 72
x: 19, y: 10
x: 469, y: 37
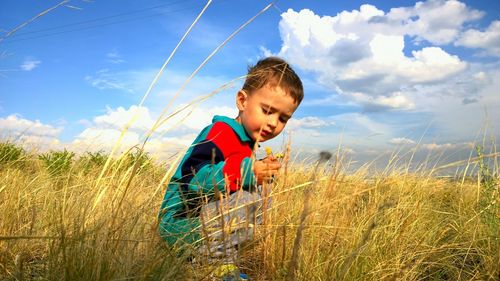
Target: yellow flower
x: 269, y: 152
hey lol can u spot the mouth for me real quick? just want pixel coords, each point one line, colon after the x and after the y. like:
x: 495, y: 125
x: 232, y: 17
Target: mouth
x: 265, y: 133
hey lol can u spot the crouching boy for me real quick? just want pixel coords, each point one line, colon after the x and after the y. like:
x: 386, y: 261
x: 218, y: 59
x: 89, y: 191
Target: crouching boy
x: 212, y: 201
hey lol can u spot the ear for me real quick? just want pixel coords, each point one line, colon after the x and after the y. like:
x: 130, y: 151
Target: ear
x: 241, y: 100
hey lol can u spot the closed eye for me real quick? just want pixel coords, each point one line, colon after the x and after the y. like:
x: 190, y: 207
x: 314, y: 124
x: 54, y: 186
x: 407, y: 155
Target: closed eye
x: 267, y: 110
x: 284, y: 119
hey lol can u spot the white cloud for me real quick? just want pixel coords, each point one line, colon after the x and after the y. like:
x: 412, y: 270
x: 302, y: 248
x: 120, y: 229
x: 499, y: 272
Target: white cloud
x: 105, y: 131
x: 114, y: 57
x: 489, y: 40
x: 30, y: 134
x: 17, y: 125
x: 265, y: 52
x: 200, y: 117
x: 175, y: 133
x: 307, y: 122
x: 362, y: 54
x: 396, y: 100
x: 462, y: 121
x: 30, y: 64
x: 432, y: 64
x: 437, y: 21
x: 39, y: 143
x: 106, y: 80
x: 401, y: 141
x: 96, y: 139
x: 436, y: 146
x: 137, y: 118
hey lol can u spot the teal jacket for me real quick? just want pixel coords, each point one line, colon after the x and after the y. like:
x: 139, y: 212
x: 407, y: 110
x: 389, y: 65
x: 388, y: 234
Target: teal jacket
x: 219, y: 158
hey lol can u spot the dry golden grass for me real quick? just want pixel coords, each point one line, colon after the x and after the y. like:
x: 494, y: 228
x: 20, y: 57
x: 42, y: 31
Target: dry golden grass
x: 395, y: 226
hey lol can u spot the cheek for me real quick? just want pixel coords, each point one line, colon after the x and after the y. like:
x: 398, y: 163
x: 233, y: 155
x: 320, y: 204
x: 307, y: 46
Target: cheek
x: 256, y: 121
x: 279, y: 129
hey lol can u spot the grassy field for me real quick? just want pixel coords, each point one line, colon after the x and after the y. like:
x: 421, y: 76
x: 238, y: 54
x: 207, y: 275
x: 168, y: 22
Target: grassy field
x: 64, y: 217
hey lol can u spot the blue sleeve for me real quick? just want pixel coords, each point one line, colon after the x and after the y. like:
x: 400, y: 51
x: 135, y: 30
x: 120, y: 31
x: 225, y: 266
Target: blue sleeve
x: 209, y: 177
x: 248, y: 180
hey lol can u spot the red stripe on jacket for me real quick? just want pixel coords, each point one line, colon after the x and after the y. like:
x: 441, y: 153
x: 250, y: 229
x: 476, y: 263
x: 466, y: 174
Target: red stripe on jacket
x: 234, y: 151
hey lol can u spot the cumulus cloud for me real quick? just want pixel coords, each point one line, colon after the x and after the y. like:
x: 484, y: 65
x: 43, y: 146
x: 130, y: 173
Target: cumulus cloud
x: 467, y: 88
x: 307, y: 122
x: 437, y: 146
x: 125, y: 127
x: 97, y: 139
x: 137, y: 118
x: 17, y: 125
x: 378, y: 103
x: 461, y: 122
x: 30, y: 133
x: 401, y: 141
x: 30, y: 64
x: 159, y: 147
x: 363, y: 56
x: 129, y: 126
x: 489, y: 40
x: 437, y: 21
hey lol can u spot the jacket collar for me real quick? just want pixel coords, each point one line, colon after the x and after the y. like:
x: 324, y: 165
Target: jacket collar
x: 237, y: 127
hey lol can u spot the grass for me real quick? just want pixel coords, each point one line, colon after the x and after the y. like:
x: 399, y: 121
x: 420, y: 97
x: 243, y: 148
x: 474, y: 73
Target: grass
x: 392, y: 226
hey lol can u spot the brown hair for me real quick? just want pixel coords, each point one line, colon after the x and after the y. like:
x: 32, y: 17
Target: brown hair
x: 275, y: 72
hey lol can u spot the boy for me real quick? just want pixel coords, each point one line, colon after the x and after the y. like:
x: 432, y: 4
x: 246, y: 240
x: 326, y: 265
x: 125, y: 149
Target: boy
x: 221, y: 160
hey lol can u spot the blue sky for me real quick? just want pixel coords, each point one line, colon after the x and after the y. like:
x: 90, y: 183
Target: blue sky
x: 378, y: 75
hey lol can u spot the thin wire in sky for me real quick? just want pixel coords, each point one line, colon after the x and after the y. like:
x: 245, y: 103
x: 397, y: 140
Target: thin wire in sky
x: 99, y: 22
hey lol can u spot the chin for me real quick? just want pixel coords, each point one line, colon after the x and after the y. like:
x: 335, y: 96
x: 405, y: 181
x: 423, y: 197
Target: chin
x: 261, y: 139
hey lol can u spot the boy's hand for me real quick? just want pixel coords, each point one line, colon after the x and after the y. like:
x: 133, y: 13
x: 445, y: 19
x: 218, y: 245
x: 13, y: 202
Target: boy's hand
x: 266, y: 169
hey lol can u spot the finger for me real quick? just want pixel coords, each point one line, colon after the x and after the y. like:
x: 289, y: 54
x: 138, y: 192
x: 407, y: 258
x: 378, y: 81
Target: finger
x: 269, y: 174
x: 269, y: 179
x: 273, y: 166
x: 269, y: 159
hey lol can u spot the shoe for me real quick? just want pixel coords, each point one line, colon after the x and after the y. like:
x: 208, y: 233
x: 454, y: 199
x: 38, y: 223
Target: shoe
x: 229, y: 272
x: 244, y: 277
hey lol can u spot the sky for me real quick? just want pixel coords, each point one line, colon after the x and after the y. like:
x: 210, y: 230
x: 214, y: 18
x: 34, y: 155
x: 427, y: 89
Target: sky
x: 378, y: 75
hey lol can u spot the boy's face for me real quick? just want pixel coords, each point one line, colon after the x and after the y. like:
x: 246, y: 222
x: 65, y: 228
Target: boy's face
x: 265, y: 112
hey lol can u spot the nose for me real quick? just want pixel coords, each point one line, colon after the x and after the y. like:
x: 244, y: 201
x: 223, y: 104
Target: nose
x: 272, y: 121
